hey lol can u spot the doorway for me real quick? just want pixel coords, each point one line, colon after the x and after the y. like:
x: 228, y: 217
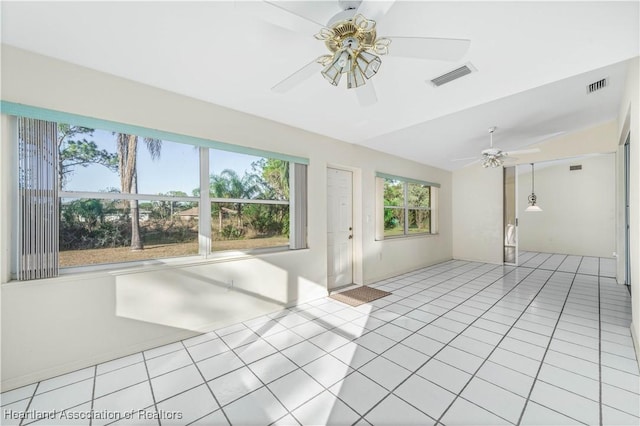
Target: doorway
x: 627, y: 217
x: 339, y: 228
x: 510, y: 218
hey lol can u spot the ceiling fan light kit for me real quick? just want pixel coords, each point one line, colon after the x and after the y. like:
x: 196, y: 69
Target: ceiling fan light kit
x: 491, y: 162
x: 352, y: 43
x: 492, y: 157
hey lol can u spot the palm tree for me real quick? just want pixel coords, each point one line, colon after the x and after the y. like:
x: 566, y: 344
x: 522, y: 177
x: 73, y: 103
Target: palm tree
x: 229, y: 185
x: 276, y: 176
x: 127, y: 146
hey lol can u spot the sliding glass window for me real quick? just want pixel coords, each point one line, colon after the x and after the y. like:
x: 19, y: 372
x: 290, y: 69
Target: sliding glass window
x: 121, y: 197
x: 405, y: 207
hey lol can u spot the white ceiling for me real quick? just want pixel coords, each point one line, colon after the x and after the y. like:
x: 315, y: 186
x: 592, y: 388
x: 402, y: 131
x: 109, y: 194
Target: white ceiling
x: 534, y: 60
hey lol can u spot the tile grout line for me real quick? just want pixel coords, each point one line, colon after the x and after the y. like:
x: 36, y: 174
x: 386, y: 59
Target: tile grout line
x: 413, y: 332
x: 361, y: 417
x: 599, y: 348
x: 153, y: 394
x: 528, y: 398
x: 398, y: 342
x: 495, y: 348
x: 195, y: 364
x: 430, y: 357
x: 26, y: 409
x: 93, y: 392
x: 424, y: 304
x: 406, y: 297
x: 264, y: 385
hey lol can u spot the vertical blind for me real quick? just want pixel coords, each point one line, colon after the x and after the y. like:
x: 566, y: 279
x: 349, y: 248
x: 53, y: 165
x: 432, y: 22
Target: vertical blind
x: 37, y: 199
x: 298, y: 206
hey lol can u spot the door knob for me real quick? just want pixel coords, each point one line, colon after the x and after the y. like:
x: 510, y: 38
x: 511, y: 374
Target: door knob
x: 350, y: 236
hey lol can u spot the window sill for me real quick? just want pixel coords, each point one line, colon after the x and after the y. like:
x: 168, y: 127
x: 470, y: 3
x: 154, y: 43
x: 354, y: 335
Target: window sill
x: 407, y: 237
x: 170, y: 262
x: 124, y: 268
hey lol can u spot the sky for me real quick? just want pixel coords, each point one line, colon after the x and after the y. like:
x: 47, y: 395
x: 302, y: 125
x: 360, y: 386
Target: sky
x: 177, y: 169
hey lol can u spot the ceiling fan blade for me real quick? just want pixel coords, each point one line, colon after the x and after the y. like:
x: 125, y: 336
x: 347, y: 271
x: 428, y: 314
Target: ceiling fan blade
x: 465, y: 158
x: 522, y: 151
x: 443, y: 49
x: 276, y: 14
x: 297, y: 77
x: 366, y: 94
x: 375, y: 10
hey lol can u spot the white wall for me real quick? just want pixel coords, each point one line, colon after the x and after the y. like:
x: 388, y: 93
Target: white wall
x: 477, y: 214
x: 7, y: 166
x: 578, y: 214
x: 629, y: 121
x: 89, y: 318
x: 477, y: 192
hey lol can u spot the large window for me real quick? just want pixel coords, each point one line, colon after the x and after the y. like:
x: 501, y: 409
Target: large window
x: 406, y: 207
x: 123, y: 197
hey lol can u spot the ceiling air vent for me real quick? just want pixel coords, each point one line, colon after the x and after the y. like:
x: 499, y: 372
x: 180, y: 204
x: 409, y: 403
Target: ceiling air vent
x: 597, y: 85
x: 577, y: 167
x: 453, y: 75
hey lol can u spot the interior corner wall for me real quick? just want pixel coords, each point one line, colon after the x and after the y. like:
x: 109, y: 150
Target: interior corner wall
x: 89, y: 318
x: 578, y: 207
x: 630, y: 110
x: 478, y: 214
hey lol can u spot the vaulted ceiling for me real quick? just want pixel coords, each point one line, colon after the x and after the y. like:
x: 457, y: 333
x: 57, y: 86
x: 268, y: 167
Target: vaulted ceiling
x: 533, y: 60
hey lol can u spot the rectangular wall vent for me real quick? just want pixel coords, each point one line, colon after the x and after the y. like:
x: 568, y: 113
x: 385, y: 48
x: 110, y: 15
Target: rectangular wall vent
x: 577, y: 167
x: 453, y: 75
x: 597, y: 85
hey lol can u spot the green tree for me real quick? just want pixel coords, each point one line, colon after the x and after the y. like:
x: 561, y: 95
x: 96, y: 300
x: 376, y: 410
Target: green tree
x: 89, y: 211
x: 419, y: 196
x: 74, y: 150
x: 166, y: 209
x: 393, y: 196
x: 127, y: 148
x: 228, y: 184
x: 275, y: 177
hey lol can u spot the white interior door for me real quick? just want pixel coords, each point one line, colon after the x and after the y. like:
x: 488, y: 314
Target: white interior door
x: 339, y: 228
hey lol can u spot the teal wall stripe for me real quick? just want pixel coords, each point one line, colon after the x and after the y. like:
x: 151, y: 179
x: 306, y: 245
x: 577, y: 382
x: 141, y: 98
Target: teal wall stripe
x: 406, y: 179
x: 11, y: 108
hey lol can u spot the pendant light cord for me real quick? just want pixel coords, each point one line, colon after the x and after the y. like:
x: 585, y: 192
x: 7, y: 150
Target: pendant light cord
x: 533, y: 181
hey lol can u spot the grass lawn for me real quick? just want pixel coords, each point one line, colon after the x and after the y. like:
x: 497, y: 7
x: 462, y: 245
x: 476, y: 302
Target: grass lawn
x: 159, y: 251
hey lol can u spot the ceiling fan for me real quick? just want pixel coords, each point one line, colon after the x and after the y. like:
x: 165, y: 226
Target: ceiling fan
x: 495, y: 157
x: 354, y: 47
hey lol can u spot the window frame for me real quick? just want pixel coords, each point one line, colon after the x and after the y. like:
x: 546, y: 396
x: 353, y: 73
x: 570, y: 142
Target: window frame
x: 297, y: 209
x: 406, y: 206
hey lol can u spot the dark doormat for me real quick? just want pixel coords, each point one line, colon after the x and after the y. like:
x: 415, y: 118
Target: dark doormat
x: 359, y: 296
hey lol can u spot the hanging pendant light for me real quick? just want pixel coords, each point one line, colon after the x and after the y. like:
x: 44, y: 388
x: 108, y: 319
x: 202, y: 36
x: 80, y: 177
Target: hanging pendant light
x: 533, y: 207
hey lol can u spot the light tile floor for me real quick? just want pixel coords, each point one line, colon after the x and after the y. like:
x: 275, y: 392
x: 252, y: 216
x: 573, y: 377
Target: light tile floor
x: 546, y: 343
